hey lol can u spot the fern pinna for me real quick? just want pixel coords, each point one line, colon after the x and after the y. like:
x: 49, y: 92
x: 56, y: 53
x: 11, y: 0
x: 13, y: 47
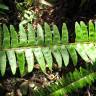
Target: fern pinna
x: 70, y: 82
x: 44, y: 45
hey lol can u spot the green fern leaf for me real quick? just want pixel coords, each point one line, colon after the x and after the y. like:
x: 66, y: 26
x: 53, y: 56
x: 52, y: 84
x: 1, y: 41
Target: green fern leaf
x: 70, y: 82
x: 92, y: 33
x: 40, y: 58
x: 56, y: 37
x: 78, y: 31
x: 64, y: 34
x: 57, y: 56
x: 81, y: 52
x: 22, y: 36
x: 14, y: 37
x: 2, y: 62
x: 91, y: 51
x: 84, y: 31
x: 65, y: 55
x: 73, y: 53
x: 40, y: 35
x: 31, y: 35
x: 12, y: 60
x: 76, y: 75
x: 48, y: 35
x: 21, y: 60
x: 6, y: 37
x: 29, y: 59
x: 48, y: 57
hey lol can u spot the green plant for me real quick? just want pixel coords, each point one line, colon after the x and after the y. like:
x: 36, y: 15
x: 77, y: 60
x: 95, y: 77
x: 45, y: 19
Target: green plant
x: 2, y: 8
x: 24, y: 43
x: 43, y: 45
x: 71, y: 82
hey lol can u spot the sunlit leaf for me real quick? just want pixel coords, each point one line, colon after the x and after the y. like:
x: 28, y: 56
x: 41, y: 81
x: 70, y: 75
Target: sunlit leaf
x: 12, y: 60
x: 22, y: 35
x: 31, y: 35
x: 65, y: 55
x: 84, y: 31
x: 56, y: 37
x: 92, y: 33
x: 90, y: 51
x: 40, y: 34
x: 48, y: 34
x: 40, y: 58
x: 57, y: 56
x: 6, y: 38
x: 73, y: 54
x: 64, y: 34
x: 21, y: 60
x: 30, y: 59
x: 48, y: 57
x: 14, y: 37
x: 79, y: 33
x: 81, y: 52
x: 2, y: 62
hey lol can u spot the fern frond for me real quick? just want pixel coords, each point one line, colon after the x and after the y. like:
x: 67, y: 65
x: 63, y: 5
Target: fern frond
x: 47, y: 43
x: 72, y: 81
x: 44, y: 36
x: 45, y: 56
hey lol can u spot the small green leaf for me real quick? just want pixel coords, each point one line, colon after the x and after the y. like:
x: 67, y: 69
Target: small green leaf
x: 6, y: 37
x: 76, y: 74
x: 40, y: 34
x: 56, y: 37
x: 57, y: 56
x: 84, y: 31
x: 92, y: 33
x: 90, y: 51
x: 22, y: 35
x: 2, y: 62
x: 73, y: 53
x: 21, y: 60
x: 48, y: 34
x: 29, y: 59
x: 65, y: 55
x: 31, y: 35
x: 64, y: 34
x: 14, y: 37
x: 40, y: 58
x: 48, y: 56
x: 81, y: 52
x: 12, y: 60
x: 78, y: 31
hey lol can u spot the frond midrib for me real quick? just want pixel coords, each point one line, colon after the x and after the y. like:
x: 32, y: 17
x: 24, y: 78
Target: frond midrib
x: 43, y: 46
